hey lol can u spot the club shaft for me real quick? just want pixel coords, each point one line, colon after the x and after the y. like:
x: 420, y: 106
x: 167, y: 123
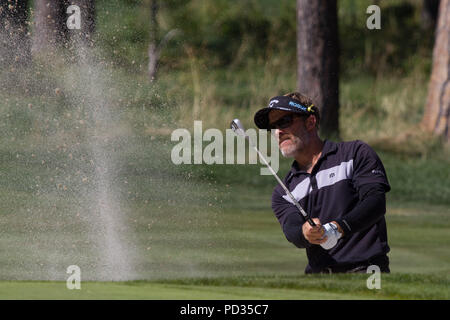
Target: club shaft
x: 299, y: 207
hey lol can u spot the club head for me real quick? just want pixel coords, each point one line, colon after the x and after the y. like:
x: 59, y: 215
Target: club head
x: 237, y: 127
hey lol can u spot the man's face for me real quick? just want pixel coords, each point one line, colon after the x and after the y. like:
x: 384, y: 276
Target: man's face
x: 293, y: 139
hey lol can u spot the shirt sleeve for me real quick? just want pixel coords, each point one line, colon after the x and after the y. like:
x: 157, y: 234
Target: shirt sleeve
x: 290, y: 220
x: 368, y: 211
x: 368, y: 168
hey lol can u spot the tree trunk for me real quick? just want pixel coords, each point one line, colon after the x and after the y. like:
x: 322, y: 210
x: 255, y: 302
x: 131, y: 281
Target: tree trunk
x: 155, y: 45
x: 318, y: 59
x: 429, y: 13
x: 50, y: 30
x: 14, y: 41
x: 153, y: 52
x: 437, y: 108
x: 85, y: 33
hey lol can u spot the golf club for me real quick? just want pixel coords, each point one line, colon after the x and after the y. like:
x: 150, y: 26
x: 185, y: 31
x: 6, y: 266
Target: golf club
x: 238, y: 128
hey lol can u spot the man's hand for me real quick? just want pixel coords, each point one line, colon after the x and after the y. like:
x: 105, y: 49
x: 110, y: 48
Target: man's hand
x: 332, y: 235
x: 314, y: 234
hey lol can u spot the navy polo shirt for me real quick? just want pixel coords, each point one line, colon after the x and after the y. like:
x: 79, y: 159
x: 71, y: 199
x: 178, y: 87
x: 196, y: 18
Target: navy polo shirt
x: 330, y: 192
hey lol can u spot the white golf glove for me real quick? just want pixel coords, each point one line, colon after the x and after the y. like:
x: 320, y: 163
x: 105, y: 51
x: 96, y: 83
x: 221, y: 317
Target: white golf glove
x: 332, y: 234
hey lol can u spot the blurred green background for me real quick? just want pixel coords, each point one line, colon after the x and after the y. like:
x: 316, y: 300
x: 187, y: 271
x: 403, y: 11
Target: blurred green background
x: 187, y: 225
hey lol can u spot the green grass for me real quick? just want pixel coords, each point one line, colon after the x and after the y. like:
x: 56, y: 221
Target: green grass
x: 279, y: 287
x: 157, y: 291
x: 198, y: 232
x: 195, y: 232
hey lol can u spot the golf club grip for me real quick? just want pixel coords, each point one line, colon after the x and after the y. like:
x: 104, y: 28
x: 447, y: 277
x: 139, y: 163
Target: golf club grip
x: 299, y: 207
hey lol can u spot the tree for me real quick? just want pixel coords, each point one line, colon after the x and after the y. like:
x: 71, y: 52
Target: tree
x: 318, y: 59
x: 429, y: 13
x: 14, y: 42
x: 49, y: 25
x: 437, y: 108
x: 154, y: 49
x: 87, y: 17
x: 153, y: 54
x: 51, y: 29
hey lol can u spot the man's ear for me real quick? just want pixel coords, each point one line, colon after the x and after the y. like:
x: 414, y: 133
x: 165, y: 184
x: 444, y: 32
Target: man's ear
x: 311, y: 122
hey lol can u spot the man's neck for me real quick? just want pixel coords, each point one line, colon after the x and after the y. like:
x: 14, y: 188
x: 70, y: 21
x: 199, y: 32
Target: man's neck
x: 310, y: 155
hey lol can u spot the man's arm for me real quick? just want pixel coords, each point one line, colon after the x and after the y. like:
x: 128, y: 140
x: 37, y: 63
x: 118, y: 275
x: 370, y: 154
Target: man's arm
x: 370, y: 180
x: 368, y: 211
x: 292, y: 229
x: 290, y: 220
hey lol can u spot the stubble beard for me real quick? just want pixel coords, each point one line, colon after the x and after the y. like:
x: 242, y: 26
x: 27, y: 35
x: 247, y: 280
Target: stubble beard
x: 292, y: 147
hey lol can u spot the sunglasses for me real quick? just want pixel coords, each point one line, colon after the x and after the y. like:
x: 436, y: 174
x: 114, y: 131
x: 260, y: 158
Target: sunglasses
x: 283, y: 122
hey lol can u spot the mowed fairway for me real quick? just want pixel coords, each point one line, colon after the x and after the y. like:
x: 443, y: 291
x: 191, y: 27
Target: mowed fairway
x: 157, y: 291
x: 249, y: 288
x: 393, y: 286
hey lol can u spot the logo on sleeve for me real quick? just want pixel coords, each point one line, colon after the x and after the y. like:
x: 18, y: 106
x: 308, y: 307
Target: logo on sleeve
x: 378, y: 172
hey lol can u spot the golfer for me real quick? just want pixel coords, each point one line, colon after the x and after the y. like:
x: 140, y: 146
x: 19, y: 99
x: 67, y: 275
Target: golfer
x: 340, y: 185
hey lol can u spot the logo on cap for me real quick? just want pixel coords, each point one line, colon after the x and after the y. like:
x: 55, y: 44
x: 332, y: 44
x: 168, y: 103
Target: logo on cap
x: 291, y: 103
x: 272, y: 103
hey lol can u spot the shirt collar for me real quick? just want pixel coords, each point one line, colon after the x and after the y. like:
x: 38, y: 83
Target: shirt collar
x: 328, y: 148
